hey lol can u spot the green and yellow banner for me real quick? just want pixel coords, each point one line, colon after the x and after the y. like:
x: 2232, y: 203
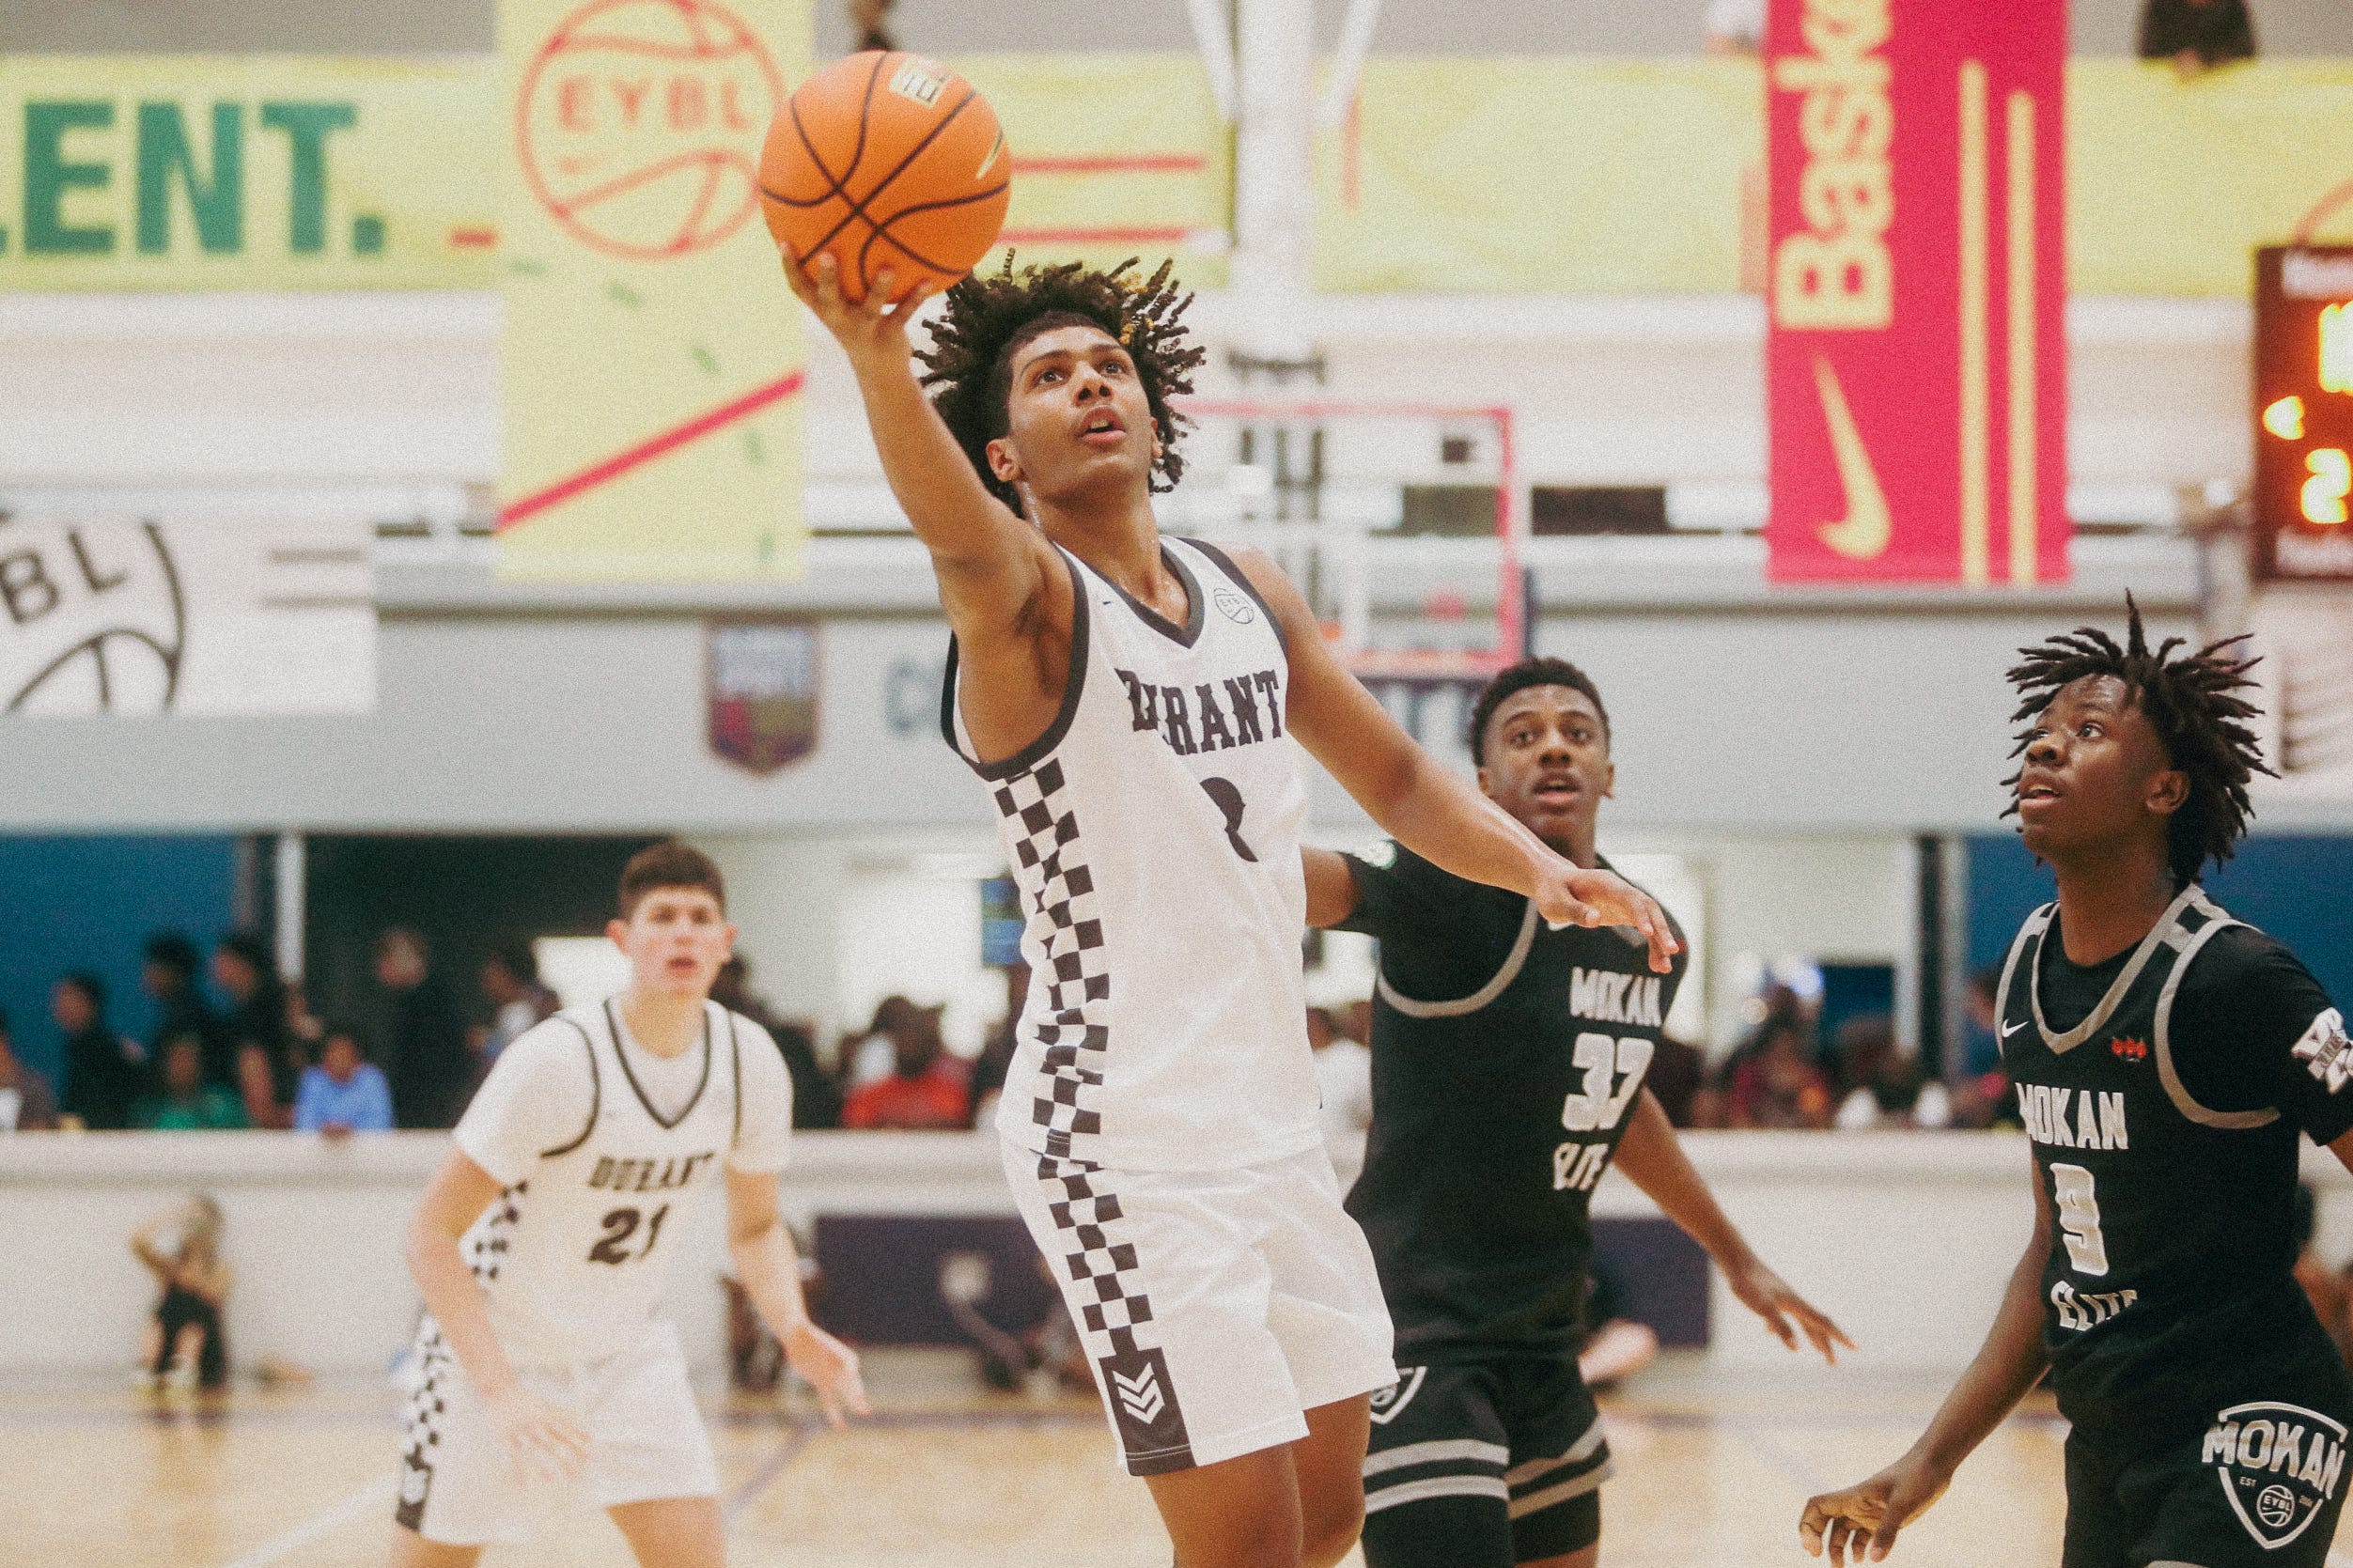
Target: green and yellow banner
x: 653, y: 352
x: 269, y: 172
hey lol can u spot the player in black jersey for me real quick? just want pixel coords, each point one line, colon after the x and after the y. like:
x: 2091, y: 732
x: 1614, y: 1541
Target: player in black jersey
x: 1507, y: 1068
x: 2166, y: 1058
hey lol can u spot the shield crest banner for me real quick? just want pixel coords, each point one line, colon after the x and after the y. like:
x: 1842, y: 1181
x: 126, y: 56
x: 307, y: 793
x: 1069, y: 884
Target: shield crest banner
x: 760, y: 689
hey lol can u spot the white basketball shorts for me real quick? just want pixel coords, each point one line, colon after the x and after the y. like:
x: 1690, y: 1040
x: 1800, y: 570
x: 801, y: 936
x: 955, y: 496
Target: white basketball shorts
x: 646, y: 1440
x: 1216, y: 1305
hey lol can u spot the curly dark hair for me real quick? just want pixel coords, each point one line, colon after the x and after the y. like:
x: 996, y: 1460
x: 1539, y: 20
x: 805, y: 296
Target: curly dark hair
x: 2191, y: 702
x: 1519, y: 678
x: 970, y: 363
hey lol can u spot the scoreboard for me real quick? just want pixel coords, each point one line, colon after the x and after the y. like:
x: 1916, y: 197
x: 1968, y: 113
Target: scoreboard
x: 2303, y: 526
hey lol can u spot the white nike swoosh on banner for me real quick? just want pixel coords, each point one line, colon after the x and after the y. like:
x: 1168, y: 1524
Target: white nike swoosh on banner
x: 1863, y: 532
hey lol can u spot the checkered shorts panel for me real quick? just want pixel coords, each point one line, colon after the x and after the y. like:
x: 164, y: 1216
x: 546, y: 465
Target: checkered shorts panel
x: 421, y: 1423
x: 1106, y: 1291
x: 1050, y: 865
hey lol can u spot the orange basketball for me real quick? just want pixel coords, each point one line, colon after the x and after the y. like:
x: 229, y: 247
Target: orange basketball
x: 888, y: 162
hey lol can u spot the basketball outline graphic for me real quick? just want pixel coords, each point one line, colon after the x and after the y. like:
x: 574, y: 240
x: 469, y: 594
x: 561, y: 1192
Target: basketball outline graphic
x: 165, y: 646
x: 717, y: 34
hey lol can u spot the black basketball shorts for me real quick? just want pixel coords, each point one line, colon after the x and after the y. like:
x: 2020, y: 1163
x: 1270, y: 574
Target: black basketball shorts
x: 1482, y: 1464
x: 2258, y: 1485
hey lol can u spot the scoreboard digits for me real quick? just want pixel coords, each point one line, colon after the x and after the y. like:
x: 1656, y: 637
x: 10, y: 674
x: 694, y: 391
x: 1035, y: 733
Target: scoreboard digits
x: 2303, y: 495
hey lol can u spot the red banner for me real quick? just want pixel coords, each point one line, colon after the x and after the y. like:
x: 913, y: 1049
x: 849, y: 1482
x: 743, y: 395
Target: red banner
x: 1916, y: 360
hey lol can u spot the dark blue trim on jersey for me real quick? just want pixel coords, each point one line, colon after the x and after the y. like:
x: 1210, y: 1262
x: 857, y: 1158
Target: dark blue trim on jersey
x: 620, y: 1051
x: 1186, y: 635
x: 596, y: 1092
x: 1073, y: 683
x: 1241, y: 581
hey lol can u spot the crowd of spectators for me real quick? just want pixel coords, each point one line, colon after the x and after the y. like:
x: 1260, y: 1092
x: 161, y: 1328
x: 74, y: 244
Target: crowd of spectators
x: 235, y: 1045
x: 247, y: 1051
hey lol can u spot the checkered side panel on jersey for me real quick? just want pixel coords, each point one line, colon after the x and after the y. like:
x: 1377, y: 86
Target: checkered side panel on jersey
x: 486, y: 1239
x: 421, y: 1424
x: 1050, y: 866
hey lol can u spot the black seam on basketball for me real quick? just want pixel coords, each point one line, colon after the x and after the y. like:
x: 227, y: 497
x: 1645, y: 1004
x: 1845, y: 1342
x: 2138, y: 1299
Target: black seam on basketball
x: 840, y: 185
x: 857, y: 205
x: 883, y: 231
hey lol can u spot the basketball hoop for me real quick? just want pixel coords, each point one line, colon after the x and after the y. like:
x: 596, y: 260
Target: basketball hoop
x: 1324, y: 485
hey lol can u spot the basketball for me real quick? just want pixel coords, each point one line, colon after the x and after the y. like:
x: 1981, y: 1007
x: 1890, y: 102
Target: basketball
x: 892, y: 163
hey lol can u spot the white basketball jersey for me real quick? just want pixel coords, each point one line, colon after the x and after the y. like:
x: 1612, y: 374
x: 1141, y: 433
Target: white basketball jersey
x: 572, y: 1256
x: 1153, y: 830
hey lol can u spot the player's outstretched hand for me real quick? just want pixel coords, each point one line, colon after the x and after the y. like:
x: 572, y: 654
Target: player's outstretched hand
x: 831, y: 1368
x: 1864, y: 1519
x: 1568, y: 894
x: 874, y: 325
x: 542, y: 1443
x: 1785, y: 1312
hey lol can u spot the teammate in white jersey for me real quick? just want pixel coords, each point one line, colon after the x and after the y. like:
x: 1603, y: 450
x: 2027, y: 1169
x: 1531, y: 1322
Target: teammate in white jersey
x: 1133, y: 704
x: 543, y: 1355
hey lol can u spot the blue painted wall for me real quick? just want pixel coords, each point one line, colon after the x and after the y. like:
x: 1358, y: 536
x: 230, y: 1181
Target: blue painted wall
x: 2298, y: 886
x: 88, y: 903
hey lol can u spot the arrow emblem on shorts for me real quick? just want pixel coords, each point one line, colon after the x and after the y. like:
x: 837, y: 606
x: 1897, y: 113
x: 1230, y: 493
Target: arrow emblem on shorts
x: 1139, y: 1396
x: 1864, y: 531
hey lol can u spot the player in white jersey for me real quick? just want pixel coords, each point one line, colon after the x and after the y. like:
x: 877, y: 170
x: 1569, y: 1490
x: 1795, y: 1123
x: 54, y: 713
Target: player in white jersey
x: 1136, y: 706
x: 543, y: 1355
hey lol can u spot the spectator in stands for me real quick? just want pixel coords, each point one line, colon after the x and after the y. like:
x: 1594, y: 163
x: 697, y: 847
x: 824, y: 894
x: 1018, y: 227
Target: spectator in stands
x: 303, y: 1031
x: 25, y: 1103
x: 106, y: 1072
x: 185, y: 1101
x: 871, y: 18
x: 1735, y: 27
x: 510, y: 983
x: 1344, y: 1079
x: 1776, y: 1083
x: 343, y: 1092
x: 2196, y: 35
x: 431, y: 1067
x: 184, y: 1342
x: 816, y: 1102
x: 268, y: 1067
x: 169, y: 977
x: 996, y: 1052
x: 1880, y: 1085
x: 926, y: 1088
x: 866, y: 1058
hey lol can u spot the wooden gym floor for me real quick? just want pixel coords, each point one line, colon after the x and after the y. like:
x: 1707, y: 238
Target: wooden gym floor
x: 1711, y: 1473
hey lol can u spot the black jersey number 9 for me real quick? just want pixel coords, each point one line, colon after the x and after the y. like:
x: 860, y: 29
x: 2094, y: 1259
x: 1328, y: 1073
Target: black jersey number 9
x: 1229, y: 800
x: 620, y: 1226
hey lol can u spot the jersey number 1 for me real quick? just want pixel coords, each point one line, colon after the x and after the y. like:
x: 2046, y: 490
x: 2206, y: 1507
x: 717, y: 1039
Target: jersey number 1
x: 1229, y: 801
x: 620, y: 1226
x: 2079, y: 1217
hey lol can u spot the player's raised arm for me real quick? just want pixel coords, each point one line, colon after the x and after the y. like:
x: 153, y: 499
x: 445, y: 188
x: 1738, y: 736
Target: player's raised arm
x: 993, y: 566
x: 1865, y: 1518
x: 1422, y: 805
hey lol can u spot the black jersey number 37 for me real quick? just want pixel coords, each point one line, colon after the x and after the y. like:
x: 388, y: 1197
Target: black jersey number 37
x: 1229, y: 800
